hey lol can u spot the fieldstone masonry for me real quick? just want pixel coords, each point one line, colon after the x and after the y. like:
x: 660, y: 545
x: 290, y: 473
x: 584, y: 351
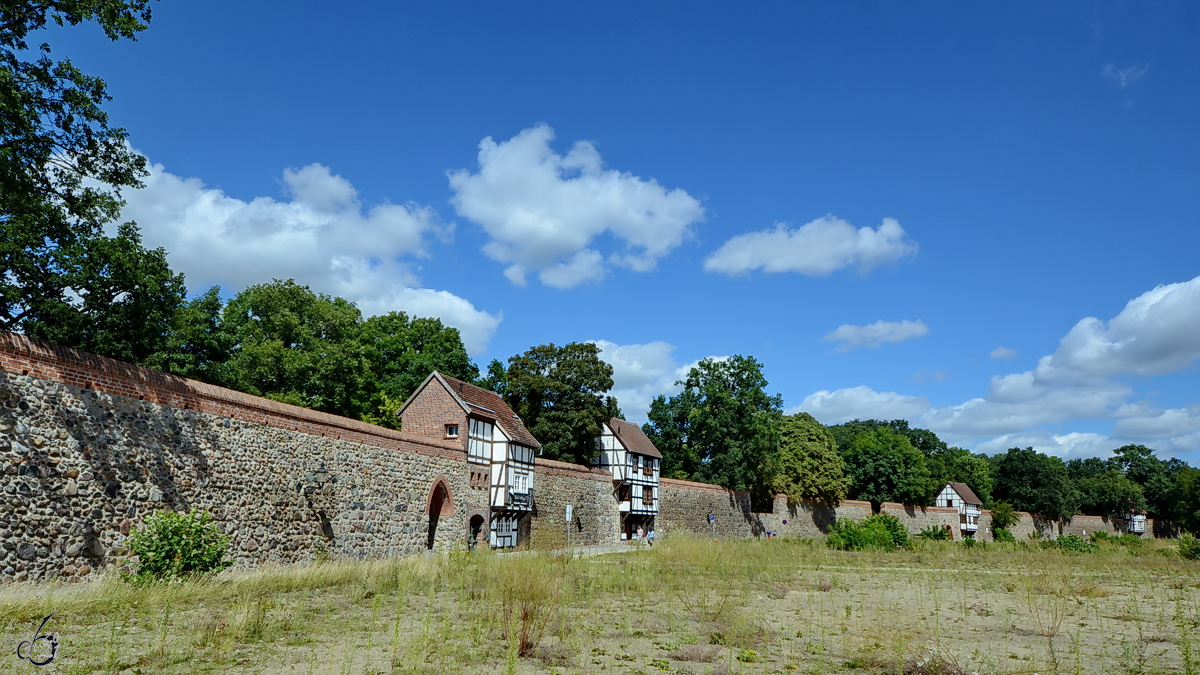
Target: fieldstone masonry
x: 90, y: 446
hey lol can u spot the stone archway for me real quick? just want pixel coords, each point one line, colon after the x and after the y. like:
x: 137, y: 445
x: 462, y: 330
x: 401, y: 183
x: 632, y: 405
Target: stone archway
x: 440, y: 503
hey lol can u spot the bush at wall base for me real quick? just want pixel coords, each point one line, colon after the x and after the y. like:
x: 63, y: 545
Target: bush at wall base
x: 1003, y: 535
x: 175, y: 545
x: 880, y: 532
x: 1189, y: 547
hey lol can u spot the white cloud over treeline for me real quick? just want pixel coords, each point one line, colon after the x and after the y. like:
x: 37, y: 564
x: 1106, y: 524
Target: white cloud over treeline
x: 1087, y: 378
x: 321, y: 235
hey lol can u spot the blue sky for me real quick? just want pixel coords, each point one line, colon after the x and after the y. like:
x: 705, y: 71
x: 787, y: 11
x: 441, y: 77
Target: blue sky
x: 979, y: 217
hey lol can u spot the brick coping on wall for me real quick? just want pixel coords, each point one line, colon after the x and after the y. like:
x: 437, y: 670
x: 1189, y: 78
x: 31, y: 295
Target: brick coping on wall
x: 22, y: 355
x: 553, y: 467
x: 897, y: 506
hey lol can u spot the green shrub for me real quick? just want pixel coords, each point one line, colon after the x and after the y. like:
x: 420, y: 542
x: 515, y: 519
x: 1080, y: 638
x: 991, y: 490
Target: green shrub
x: 1073, y: 543
x: 1003, y: 535
x: 881, y: 532
x: 175, y: 545
x: 934, y: 533
x: 1189, y: 547
x: 1004, y: 516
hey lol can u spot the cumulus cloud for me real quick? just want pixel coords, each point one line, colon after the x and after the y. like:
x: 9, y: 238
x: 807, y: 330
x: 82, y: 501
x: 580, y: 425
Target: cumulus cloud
x: 641, y: 372
x: 321, y: 235
x: 1067, y: 446
x: 817, y: 248
x: 876, y: 334
x: 1003, y: 353
x: 862, y: 402
x: 1123, y: 77
x: 544, y: 212
x: 1156, y: 333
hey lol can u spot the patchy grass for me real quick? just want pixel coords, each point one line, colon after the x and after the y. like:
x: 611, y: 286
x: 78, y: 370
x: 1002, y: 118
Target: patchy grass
x: 688, y: 605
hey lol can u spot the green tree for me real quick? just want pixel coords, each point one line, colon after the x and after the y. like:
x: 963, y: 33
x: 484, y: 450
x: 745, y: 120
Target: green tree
x: 669, y: 426
x: 922, y: 439
x: 961, y: 466
x: 1109, y: 493
x: 1034, y: 482
x: 401, y: 352
x: 196, y: 344
x: 496, y: 378
x: 883, y: 466
x: 808, y: 466
x: 61, y: 169
x: 1004, y: 516
x: 560, y: 395
x: 296, y: 346
x: 722, y: 427
x: 114, y: 298
x: 1187, y: 511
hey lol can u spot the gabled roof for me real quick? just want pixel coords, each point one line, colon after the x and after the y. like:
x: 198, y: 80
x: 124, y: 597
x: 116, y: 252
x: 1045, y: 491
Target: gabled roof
x: 632, y: 438
x: 484, y: 403
x: 967, y: 494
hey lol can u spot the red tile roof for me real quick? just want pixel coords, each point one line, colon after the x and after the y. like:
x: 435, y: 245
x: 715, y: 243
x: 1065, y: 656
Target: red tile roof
x: 489, y: 404
x: 633, y: 438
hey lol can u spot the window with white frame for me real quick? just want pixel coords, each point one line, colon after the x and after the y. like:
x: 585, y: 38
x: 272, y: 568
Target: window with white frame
x: 520, y: 482
x: 479, y: 441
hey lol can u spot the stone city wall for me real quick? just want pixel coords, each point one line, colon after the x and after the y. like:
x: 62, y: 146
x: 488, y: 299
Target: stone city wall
x: 684, y: 506
x: 89, y: 446
x: 595, y: 519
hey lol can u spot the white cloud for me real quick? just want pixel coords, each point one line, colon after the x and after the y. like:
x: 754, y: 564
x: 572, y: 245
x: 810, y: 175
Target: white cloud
x: 1123, y: 77
x: 321, y: 236
x: 1003, y: 353
x: 641, y: 372
x: 876, y: 334
x: 861, y: 402
x: 544, y: 212
x: 816, y: 248
x: 1067, y: 446
x: 1157, y: 332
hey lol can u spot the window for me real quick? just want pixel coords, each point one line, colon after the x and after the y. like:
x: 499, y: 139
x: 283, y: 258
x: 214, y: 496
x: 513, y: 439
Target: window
x: 479, y: 441
x: 520, y: 482
x: 647, y: 495
x: 451, y: 431
x: 648, y: 467
x: 623, y: 494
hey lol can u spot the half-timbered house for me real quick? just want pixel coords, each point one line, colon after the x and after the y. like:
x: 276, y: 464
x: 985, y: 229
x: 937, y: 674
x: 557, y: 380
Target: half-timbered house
x: 499, y: 449
x: 970, y: 507
x: 634, y: 462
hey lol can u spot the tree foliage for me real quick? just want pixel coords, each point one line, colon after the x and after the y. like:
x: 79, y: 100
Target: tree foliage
x: 953, y: 464
x: 722, y: 427
x: 402, y: 351
x: 295, y: 346
x: 808, y: 465
x: 560, y: 393
x: 61, y: 169
x: 883, y: 466
x: 1037, y: 483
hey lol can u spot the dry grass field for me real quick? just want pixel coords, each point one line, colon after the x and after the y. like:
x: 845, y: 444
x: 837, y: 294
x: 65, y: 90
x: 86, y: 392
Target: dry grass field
x: 687, y: 606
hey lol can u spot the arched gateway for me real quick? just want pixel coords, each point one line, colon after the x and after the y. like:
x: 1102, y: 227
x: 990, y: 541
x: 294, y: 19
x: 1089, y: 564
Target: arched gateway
x: 440, y: 503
